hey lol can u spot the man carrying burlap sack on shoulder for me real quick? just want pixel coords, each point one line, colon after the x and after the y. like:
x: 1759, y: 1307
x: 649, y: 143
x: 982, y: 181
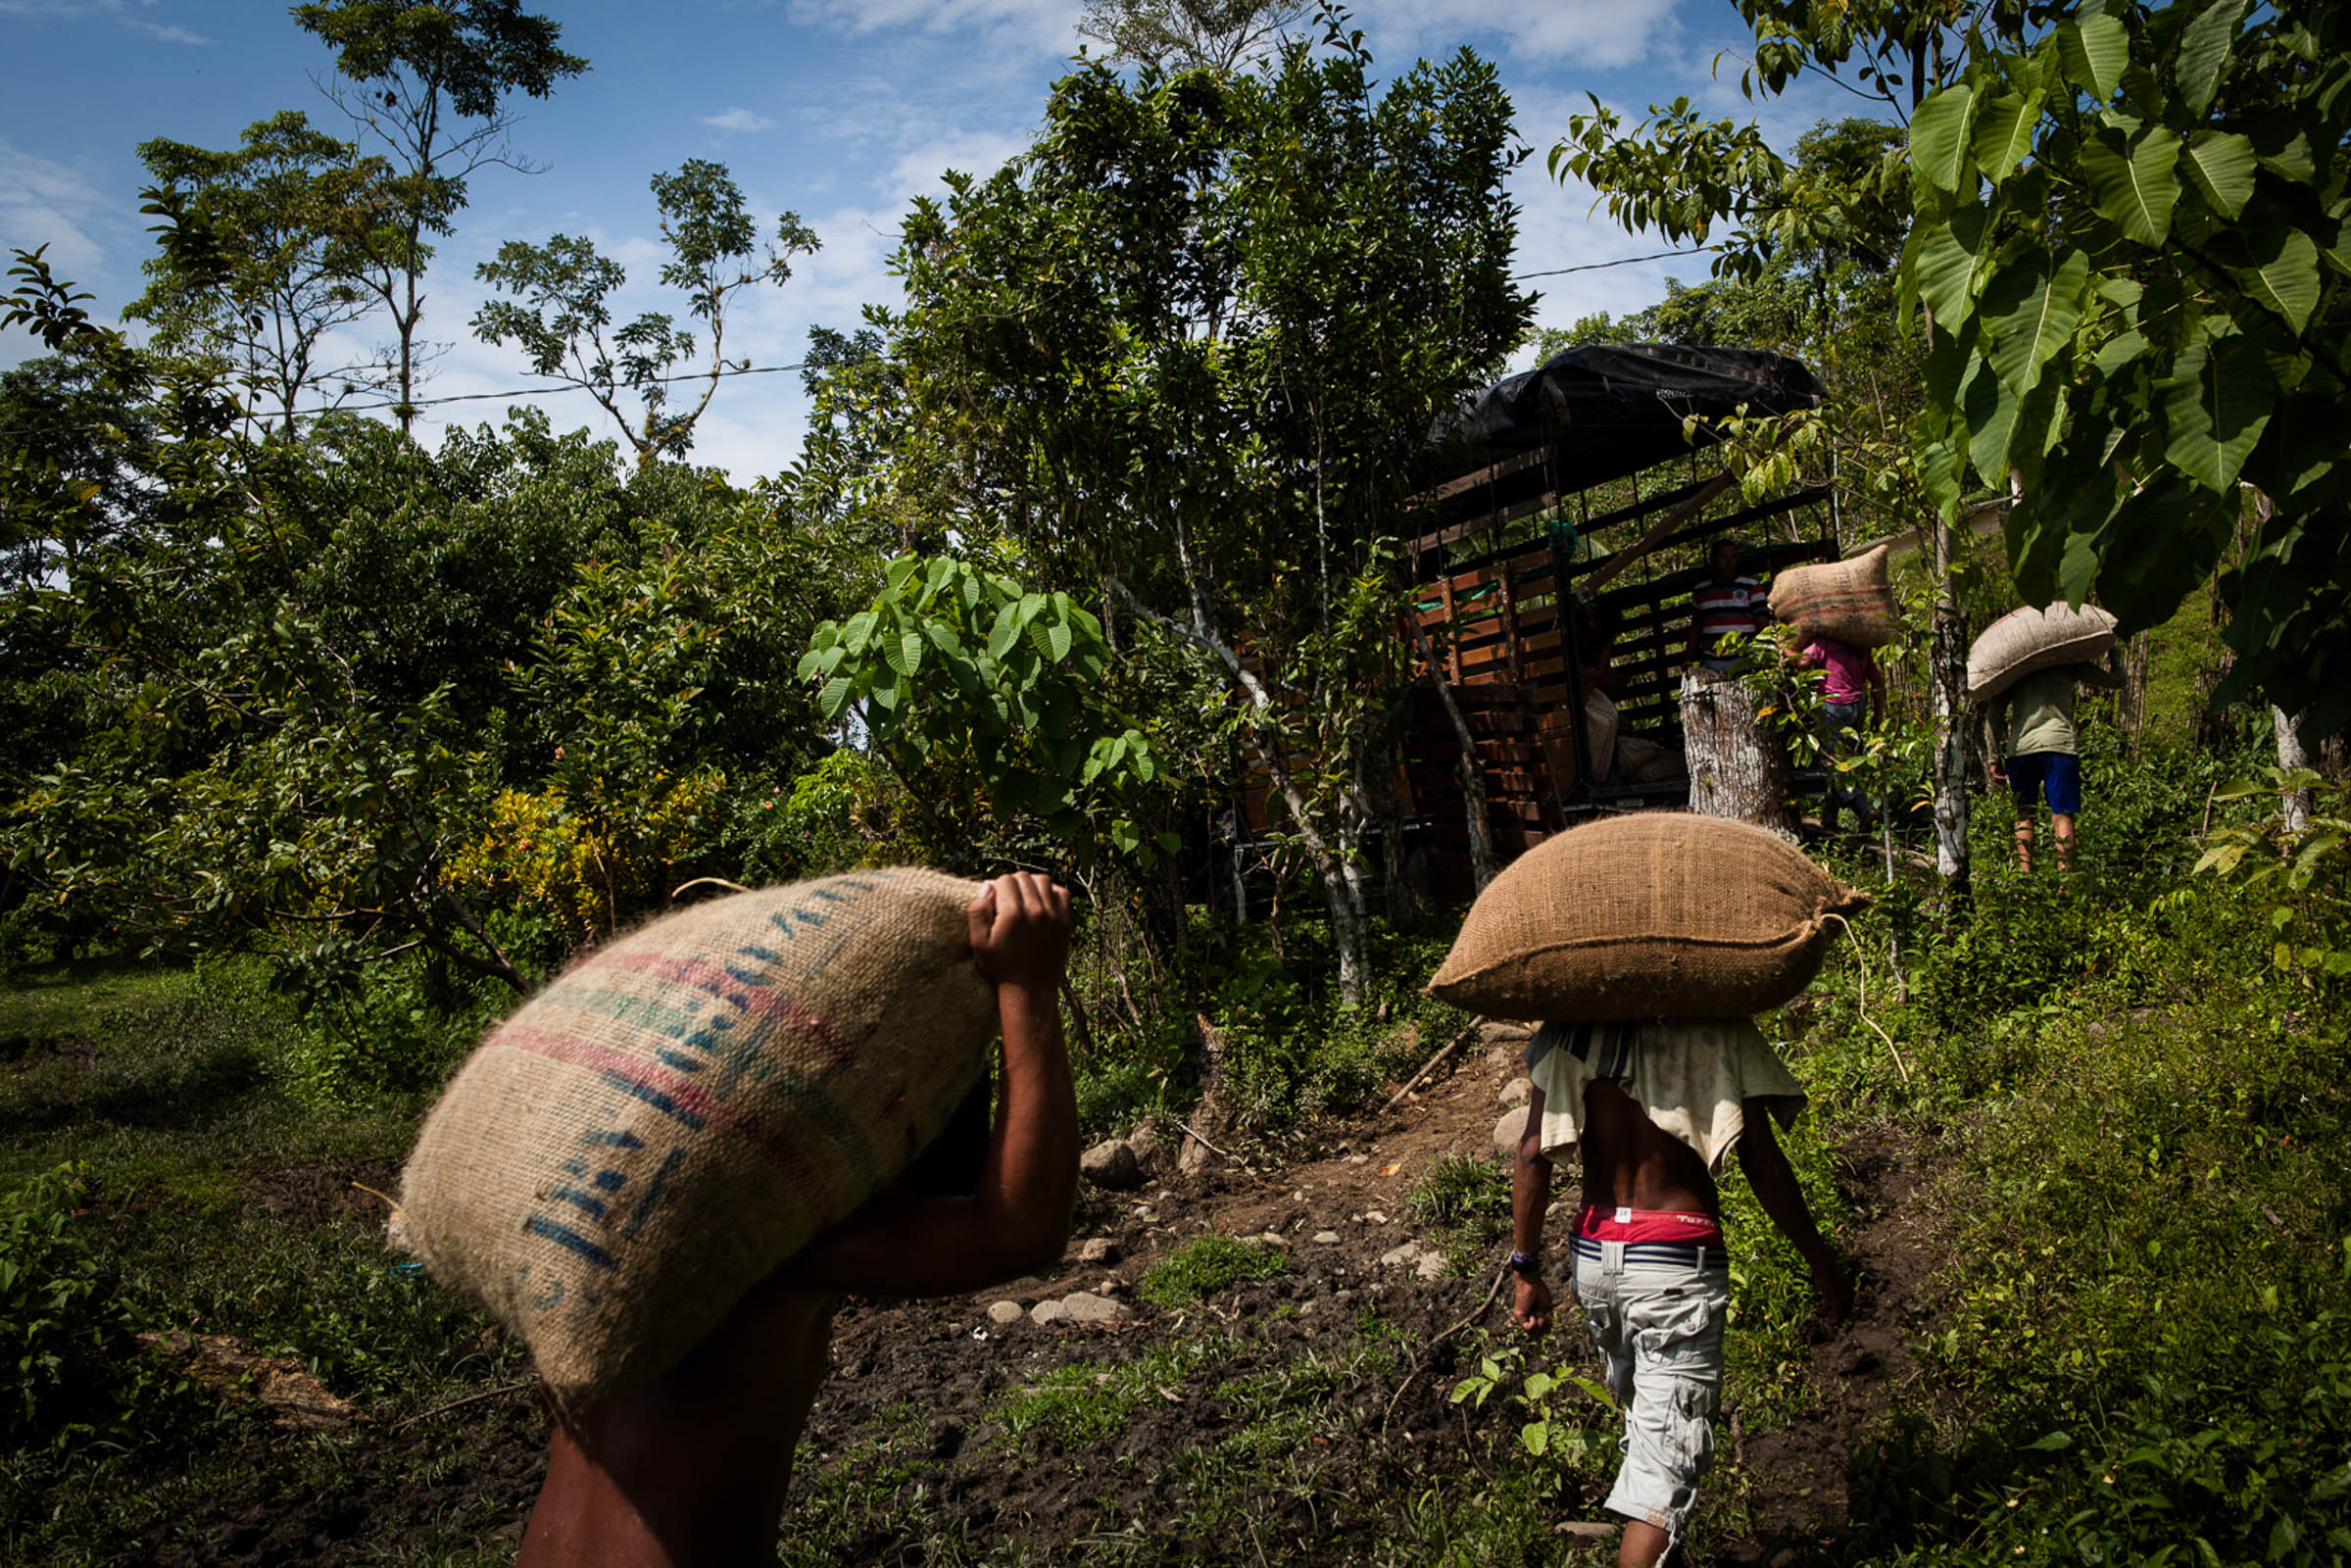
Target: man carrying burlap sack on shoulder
x: 693, y: 1468
x: 1654, y: 1107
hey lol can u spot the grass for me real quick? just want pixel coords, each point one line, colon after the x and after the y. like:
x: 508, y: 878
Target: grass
x: 207, y: 1199
x: 2143, y: 1218
x: 1206, y: 1266
x: 1087, y: 1401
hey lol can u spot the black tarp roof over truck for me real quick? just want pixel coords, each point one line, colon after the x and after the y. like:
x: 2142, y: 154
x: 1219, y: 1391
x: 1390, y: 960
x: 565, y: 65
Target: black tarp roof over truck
x: 1526, y: 481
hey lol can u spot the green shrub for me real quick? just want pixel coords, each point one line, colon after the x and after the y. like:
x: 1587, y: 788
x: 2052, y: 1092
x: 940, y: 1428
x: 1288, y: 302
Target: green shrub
x: 65, y: 1333
x: 1206, y: 1266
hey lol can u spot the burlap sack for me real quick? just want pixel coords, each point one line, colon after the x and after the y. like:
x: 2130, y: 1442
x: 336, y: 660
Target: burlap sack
x: 1850, y: 601
x: 647, y: 1138
x: 2027, y: 641
x: 1656, y: 914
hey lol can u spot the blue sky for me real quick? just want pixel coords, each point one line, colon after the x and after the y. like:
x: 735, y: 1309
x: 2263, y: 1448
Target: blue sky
x: 840, y: 110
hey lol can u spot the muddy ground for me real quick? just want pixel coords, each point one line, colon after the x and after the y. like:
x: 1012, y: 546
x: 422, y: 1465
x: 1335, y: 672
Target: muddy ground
x: 915, y: 1453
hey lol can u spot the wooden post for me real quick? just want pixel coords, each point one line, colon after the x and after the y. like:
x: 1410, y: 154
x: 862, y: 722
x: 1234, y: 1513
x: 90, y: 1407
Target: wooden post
x: 1739, y: 766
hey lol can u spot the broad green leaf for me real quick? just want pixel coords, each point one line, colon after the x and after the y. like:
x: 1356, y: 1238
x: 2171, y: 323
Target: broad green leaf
x: 2031, y: 308
x: 1939, y: 476
x: 2204, y: 50
x: 895, y: 575
x: 829, y: 700
x: 2003, y: 137
x: 2094, y: 50
x: 2284, y: 151
x: 1990, y: 407
x: 2131, y: 181
x: 2334, y: 236
x: 859, y: 631
x: 1005, y: 631
x: 904, y: 654
x: 1939, y: 136
x: 1058, y: 639
x: 2119, y: 353
x: 2280, y: 270
x: 1946, y: 264
x: 2221, y: 165
x: 808, y: 662
x: 2216, y: 402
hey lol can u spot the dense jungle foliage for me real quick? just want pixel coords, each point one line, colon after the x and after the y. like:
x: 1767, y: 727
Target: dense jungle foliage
x: 324, y: 746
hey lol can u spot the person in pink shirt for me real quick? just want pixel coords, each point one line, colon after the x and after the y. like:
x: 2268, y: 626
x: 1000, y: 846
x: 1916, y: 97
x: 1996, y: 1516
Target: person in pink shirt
x: 1849, y: 676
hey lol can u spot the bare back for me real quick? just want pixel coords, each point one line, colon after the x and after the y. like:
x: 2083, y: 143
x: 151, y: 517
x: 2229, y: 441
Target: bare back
x: 1629, y: 1163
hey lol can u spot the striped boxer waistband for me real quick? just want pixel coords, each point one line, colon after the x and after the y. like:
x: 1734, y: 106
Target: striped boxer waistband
x: 1681, y: 1254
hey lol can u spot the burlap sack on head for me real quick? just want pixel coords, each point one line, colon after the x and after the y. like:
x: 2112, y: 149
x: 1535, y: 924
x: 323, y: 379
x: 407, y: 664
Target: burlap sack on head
x: 1850, y: 601
x: 1658, y: 915
x: 680, y: 1111
x: 2027, y: 641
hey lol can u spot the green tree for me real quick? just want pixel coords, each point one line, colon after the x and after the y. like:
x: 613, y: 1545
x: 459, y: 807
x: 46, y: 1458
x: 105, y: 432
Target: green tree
x: 994, y: 698
x: 264, y: 252
x: 561, y: 311
x: 431, y: 83
x: 1221, y: 35
x: 2131, y: 247
x: 1688, y: 177
x: 1187, y: 350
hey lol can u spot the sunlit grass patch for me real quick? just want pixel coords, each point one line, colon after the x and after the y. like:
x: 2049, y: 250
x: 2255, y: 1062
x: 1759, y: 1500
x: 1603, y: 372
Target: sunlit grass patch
x: 1087, y: 1401
x: 1206, y: 1266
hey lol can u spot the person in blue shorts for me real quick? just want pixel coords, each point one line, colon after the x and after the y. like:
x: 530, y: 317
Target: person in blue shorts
x: 2035, y: 721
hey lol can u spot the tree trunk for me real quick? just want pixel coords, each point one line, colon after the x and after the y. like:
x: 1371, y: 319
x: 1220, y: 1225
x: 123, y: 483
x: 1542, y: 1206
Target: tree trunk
x: 2296, y: 804
x: 1210, y: 1113
x: 1947, y: 662
x: 1739, y: 766
x: 1483, y: 864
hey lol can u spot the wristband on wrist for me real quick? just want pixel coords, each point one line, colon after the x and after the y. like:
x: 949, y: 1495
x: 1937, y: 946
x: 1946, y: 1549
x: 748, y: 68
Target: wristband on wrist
x: 1525, y: 1266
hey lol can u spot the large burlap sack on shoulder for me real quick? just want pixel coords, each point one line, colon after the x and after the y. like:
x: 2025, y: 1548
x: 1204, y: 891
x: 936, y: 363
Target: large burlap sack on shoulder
x: 1656, y: 914
x: 682, y: 1111
x: 1851, y: 601
x: 2024, y: 642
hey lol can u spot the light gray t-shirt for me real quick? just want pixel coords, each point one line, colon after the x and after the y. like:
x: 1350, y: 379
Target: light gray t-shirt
x: 2041, y: 712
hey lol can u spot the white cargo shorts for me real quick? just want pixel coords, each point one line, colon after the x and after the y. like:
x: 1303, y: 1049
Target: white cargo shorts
x: 1656, y: 1309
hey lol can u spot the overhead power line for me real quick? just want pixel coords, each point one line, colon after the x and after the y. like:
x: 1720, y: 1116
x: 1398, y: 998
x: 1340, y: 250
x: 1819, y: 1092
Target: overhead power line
x: 1621, y: 261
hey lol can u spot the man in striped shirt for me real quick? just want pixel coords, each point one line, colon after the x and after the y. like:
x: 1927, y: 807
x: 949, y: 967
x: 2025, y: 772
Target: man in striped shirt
x: 1724, y: 605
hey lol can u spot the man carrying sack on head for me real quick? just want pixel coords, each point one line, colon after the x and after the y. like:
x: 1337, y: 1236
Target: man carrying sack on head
x: 1654, y: 1107
x: 692, y: 1469
x: 2035, y: 724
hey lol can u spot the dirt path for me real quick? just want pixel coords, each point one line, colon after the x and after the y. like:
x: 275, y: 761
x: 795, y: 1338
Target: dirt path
x: 947, y: 1434
x: 1343, y: 1214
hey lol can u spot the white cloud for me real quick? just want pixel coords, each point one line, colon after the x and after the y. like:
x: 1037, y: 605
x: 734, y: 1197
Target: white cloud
x: 45, y: 203
x: 1049, y: 25
x: 77, y: 10
x: 739, y: 120
x: 1600, y: 35
x: 164, y: 33
x: 974, y: 152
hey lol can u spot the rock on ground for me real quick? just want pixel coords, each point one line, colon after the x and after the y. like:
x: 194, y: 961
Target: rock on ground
x: 1084, y: 1306
x: 1517, y: 1091
x: 1111, y: 1163
x: 1004, y: 1313
x: 1098, y: 1250
x: 1506, y: 1131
